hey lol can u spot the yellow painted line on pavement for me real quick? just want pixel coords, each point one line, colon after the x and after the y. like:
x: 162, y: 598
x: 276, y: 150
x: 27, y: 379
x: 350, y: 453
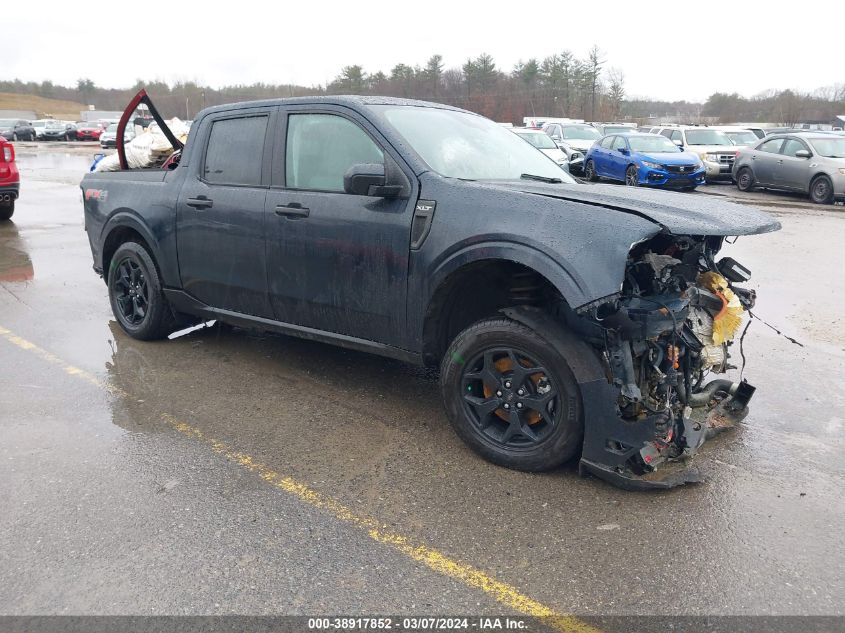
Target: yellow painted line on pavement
x: 431, y: 558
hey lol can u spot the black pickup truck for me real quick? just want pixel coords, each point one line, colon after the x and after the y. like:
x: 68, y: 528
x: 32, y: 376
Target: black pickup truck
x: 566, y: 318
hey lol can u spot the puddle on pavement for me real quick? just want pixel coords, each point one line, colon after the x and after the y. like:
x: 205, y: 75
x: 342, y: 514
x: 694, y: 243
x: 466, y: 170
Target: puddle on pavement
x: 55, y: 167
x: 15, y: 264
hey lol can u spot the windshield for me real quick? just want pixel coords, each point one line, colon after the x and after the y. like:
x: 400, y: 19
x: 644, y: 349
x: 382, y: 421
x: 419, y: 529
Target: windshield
x: 39, y: 123
x: 540, y: 140
x: 582, y: 133
x: 461, y: 145
x: 112, y: 128
x: 742, y: 138
x: 829, y: 147
x: 707, y: 137
x: 652, y: 144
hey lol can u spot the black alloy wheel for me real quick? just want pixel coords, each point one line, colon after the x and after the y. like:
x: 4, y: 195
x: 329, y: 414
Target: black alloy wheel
x: 632, y: 178
x: 511, y: 396
x: 131, y: 292
x: 590, y: 171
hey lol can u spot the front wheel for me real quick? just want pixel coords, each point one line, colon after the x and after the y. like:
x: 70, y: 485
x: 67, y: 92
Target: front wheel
x: 821, y: 190
x: 136, y: 295
x: 632, y: 176
x: 590, y: 171
x: 745, y: 179
x: 511, y: 396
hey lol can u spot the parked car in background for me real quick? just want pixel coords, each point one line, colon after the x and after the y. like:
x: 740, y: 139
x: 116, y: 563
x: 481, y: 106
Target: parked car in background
x: 109, y: 137
x: 644, y: 159
x: 615, y: 128
x: 57, y: 131
x: 713, y: 146
x: 743, y: 137
x: 10, y: 180
x: 574, y: 139
x: 544, y: 143
x: 17, y: 130
x: 89, y: 131
x: 809, y: 162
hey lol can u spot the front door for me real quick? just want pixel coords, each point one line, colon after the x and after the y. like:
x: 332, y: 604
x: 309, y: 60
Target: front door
x: 794, y: 171
x: 336, y: 261
x: 220, y: 214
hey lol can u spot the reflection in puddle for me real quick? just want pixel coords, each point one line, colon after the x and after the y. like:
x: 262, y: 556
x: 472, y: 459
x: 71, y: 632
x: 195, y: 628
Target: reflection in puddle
x: 15, y: 264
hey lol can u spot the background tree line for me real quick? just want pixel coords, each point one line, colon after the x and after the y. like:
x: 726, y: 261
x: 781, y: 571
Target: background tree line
x: 558, y: 85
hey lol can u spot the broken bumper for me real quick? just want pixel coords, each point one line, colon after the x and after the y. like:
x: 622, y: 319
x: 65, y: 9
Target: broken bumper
x: 630, y: 455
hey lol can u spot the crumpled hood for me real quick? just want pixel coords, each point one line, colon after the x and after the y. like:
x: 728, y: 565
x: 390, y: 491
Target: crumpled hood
x: 679, y: 213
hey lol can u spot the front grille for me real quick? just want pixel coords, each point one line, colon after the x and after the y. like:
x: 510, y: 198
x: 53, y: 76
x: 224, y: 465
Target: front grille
x: 680, y: 169
x: 727, y: 159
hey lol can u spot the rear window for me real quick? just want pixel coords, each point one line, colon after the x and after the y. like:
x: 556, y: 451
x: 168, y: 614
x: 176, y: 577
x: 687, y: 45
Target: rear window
x: 235, y: 151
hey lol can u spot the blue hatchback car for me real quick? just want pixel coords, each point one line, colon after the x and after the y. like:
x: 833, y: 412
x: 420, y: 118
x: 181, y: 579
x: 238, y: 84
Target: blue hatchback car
x: 643, y: 159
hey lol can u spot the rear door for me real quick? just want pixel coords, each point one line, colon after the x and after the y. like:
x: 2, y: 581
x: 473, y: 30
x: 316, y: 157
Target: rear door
x: 601, y: 155
x: 764, y: 161
x: 619, y: 161
x: 220, y: 213
x: 336, y: 261
x: 793, y: 171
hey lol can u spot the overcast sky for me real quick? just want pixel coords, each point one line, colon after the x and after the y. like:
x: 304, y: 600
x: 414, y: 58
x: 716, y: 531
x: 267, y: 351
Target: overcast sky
x: 665, y: 52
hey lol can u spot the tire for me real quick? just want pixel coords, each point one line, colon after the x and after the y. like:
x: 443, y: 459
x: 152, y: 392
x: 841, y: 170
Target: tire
x: 590, y: 171
x: 492, y: 348
x: 7, y: 211
x: 745, y: 179
x: 67, y: 138
x: 136, y: 296
x: 821, y: 190
x: 632, y: 176
x: 15, y: 137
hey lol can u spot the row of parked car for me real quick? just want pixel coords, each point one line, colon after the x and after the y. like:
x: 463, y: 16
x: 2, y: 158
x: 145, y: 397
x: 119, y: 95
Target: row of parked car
x: 55, y: 130
x: 682, y: 157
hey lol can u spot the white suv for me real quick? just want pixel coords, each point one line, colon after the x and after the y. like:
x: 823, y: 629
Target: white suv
x: 713, y: 146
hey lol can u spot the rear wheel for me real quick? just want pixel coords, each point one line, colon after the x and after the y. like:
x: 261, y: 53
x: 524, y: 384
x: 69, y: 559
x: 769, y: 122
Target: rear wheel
x: 7, y: 211
x: 511, y: 396
x: 590, y: 171
x: 821, y: 190
x: 745, y: 179
x: 136, y: 295
x: 632, y: 176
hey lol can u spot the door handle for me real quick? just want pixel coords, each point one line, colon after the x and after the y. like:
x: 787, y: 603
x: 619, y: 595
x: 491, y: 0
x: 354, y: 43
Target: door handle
x: 292, y: 210
x: 200, y: 202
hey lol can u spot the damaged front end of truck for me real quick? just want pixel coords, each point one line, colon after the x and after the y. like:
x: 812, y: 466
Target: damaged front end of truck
x: 663, y: 340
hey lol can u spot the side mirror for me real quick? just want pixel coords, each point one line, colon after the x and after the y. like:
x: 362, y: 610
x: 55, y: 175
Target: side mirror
x: 678, y: 142
x: 624, y: 151
x: 368, y: 179
x: 803, y: 153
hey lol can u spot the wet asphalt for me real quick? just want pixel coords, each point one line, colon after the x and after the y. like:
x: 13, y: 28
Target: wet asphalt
x: 106, y: 509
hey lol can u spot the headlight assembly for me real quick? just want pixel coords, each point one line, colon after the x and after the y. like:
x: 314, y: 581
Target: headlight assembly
x: 651, y: 165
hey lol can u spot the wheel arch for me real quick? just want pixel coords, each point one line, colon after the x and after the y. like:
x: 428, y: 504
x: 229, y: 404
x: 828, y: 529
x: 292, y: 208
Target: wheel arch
x: 123, y: 227
x: 481, y: 282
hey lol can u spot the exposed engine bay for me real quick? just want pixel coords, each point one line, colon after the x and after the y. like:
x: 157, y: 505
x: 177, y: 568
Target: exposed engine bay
x: 663, y: 340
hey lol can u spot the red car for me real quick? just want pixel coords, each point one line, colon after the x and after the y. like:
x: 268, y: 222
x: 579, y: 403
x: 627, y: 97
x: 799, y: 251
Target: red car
x: 89, y: 131
x: 10, y: 180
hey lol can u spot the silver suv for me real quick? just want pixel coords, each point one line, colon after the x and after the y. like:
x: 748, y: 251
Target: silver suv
x: 713, y: 146
x: 810, y: 162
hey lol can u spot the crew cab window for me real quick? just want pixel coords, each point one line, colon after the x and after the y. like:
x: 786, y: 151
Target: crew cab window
x: 791, y: 146
x: 771, y: 146
x: 322, y: 147
x: 235, y: 151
